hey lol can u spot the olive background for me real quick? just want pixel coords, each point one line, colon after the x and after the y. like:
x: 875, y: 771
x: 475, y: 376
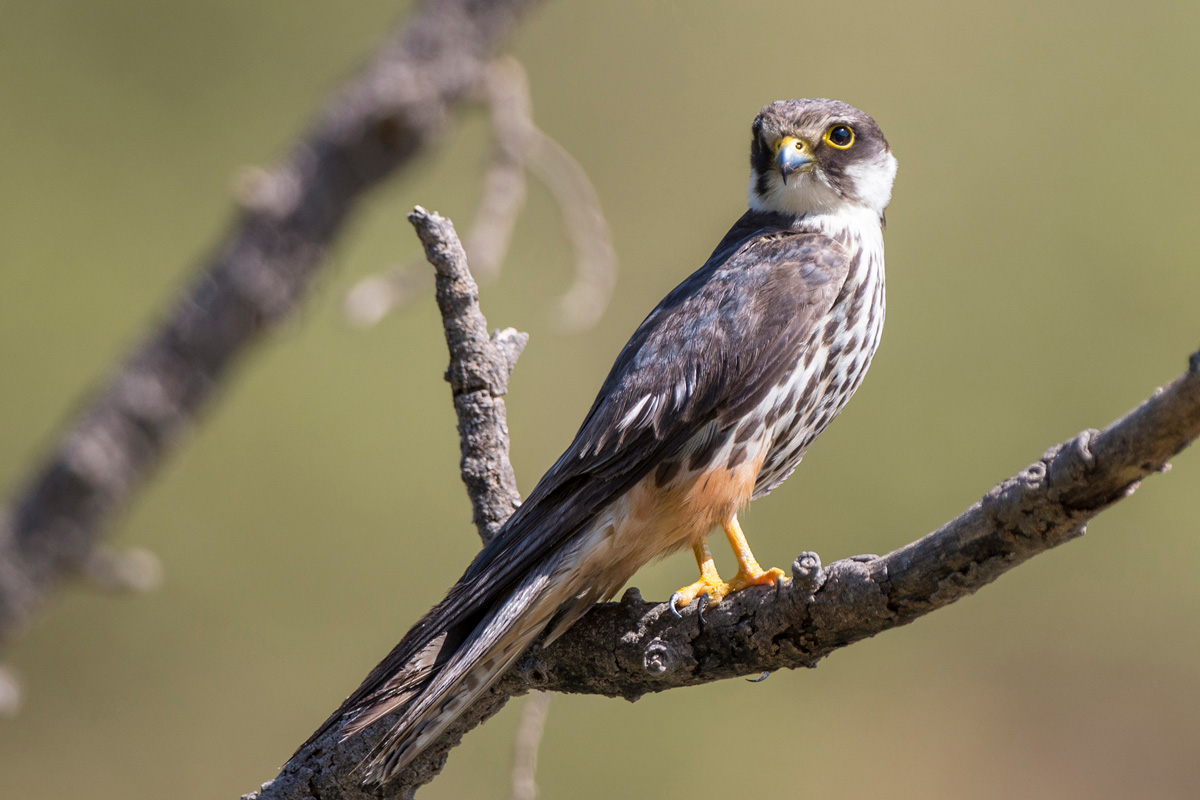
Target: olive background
x: 1041, y: 279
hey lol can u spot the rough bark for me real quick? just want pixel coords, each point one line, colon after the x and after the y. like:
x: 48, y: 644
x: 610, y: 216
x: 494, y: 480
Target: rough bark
x: 631, y: 647
x: 478, y: 375
x: 390, y: 112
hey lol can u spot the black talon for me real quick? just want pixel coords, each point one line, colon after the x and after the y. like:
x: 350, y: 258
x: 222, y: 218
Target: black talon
x: 674, y: 610
x: 778, y: 591
x: 760, y: 678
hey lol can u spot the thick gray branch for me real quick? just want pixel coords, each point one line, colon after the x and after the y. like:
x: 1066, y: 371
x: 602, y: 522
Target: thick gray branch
x: 391, y: 111
x: 478, y: 375
x: 630, y: 648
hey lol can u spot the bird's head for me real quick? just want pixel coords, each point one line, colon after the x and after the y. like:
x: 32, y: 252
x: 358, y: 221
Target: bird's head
x: 818, y: 156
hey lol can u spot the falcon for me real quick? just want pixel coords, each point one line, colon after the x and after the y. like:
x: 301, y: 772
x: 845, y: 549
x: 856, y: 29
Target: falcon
x: 712, y: 403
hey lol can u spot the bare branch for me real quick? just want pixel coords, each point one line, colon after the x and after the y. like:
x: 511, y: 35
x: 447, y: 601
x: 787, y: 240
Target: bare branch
x: 506, y: 91
x: 477, y: 361
x: 376, y: 124
x: 819, y: 611
x: 630, y: 648
x: 478, y: 375
x: 529, y: 737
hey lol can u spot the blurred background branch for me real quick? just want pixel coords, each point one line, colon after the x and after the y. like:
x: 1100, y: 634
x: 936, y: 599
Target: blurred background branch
x: 525, y: 752
x: 373, y: 126
x: 519, y: 146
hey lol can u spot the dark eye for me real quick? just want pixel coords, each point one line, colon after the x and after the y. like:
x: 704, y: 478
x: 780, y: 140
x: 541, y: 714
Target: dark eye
x: 840, y: 136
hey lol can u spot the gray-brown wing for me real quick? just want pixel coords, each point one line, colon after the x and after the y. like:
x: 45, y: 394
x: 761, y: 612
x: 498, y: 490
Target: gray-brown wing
x: 707, y: 354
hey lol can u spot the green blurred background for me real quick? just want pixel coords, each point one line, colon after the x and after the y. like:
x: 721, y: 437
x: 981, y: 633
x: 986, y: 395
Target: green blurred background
x: 1042, y: 279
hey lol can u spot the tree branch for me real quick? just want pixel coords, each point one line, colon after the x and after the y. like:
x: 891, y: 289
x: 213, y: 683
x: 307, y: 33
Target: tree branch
x: 819, y: 611
x: 1046, y: 504
x: 390, y: 112
x: 631, y: 647
x: 478, y: 375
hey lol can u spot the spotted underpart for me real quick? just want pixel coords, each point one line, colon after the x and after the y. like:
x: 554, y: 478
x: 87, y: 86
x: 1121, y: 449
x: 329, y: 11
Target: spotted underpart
x: 713, y: 401
x: 829, y: 365
x: 832, y: 367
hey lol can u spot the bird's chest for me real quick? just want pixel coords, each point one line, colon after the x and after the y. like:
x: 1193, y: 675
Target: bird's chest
x: 831, y: 366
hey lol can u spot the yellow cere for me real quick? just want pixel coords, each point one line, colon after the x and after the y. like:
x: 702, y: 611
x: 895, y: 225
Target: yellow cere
x: 792, y: 141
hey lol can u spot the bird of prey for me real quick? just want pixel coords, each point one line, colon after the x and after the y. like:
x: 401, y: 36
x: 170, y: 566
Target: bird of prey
x: 712, y: 403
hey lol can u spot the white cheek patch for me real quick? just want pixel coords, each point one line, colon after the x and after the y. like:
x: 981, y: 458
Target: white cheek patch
x: 873, y: 181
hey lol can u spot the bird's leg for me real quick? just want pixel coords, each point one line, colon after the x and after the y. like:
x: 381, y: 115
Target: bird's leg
x: 749, y: 572
x: 710, y: 582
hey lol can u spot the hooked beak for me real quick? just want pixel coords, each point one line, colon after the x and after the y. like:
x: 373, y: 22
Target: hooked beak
x: 792, y: 155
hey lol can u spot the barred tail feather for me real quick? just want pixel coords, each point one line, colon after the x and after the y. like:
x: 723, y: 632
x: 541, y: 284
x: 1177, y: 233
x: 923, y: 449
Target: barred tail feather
x: 402, y: 688
x: 483, y: 657
x: 460, y: 648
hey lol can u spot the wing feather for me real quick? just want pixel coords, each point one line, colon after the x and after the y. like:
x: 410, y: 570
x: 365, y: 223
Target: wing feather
x: 709, y: 353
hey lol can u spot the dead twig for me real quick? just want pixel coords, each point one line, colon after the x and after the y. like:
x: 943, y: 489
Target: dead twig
x: 478, y: 375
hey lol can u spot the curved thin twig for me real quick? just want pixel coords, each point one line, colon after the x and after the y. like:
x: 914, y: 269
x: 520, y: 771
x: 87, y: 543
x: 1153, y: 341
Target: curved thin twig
x: 506, y: 91
x: 595, y: 262
x: 529, y: 737
x: 519, y: 145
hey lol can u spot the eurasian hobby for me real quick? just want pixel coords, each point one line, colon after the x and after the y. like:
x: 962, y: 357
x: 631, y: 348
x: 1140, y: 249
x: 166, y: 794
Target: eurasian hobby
x: 712, y: 403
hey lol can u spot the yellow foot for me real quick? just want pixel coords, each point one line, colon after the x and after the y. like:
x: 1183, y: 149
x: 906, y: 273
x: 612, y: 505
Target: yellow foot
x: 749, y: 572
x: 755, y: 576
x: 711, y: 585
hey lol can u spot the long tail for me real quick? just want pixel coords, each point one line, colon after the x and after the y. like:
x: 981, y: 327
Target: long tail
x: 483, y: 657
x: 448, y: 660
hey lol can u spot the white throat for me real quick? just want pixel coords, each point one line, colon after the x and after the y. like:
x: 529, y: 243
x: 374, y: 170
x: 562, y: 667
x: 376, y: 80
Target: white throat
x: 851, y: 222
x: 805, y: 193
x: 809, y: 193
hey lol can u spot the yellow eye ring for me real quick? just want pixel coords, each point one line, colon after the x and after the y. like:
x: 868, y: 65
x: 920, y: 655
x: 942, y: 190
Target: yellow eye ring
x: 839, y: 137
